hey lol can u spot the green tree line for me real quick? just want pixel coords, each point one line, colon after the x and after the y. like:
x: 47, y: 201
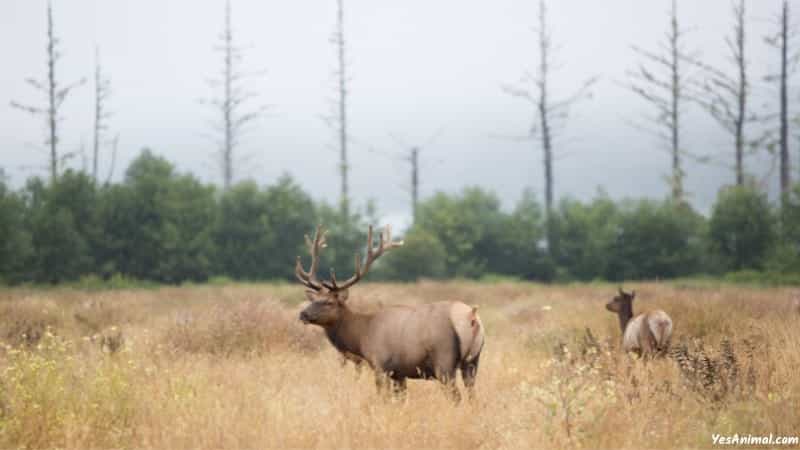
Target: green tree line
x: 167, y: 227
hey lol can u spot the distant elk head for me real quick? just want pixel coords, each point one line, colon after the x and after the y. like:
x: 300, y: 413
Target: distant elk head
x: 622, y: 303
x: 328, y: 297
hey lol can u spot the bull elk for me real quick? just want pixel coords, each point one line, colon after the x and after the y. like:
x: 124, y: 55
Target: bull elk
x: 431, y: 341
x: 646, y: 334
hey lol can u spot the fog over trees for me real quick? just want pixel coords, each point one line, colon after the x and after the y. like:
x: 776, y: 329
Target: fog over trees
x: 558, y: 187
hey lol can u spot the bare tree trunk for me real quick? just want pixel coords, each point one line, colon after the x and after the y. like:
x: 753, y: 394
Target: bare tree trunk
x: 97, y: 122
x: 548, y: 111
x: 782, y: 40
x: 784, y: 132
x: 742, y: 93
x: 677, y: 171
x: 544, y: 55
x: 52, y: 115
x: 227, y: 152
x: 114, y: 146
x: 55, y: 98
x: 726, y: 96
x: 342, y: 72
x: 102, y: 91
x: 414, y: 183
x: 233, y: 119
x: 666, y: 94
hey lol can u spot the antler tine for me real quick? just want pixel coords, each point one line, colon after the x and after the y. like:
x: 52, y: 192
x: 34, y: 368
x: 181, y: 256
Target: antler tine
x: 369, y: 243
x: 372, y: 254
x: 358, y: 262
x: 333, y: 279
x: 309, y: 278
x: 388, y: 231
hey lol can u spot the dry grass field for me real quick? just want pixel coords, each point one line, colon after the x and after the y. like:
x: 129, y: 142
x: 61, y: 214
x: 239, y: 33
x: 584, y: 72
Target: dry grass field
x: 232, y: 367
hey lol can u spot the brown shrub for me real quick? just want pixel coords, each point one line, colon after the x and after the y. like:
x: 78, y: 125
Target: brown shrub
x: 239, y: 328
x: 24, y: 322
x: 94, y: 315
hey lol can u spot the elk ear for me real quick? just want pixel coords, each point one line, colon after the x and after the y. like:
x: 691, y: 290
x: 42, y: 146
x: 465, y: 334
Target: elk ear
x: 633, y: 295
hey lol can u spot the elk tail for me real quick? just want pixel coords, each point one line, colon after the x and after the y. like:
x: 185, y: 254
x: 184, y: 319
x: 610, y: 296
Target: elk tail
x: 468, y: 329
x: 476, y: 335
x: 661, y: 331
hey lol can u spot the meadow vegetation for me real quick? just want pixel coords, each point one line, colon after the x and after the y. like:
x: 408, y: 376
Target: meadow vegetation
x: 230, y: 366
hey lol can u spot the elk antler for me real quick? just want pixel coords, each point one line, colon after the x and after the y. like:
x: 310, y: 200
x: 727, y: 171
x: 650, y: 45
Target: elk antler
x: 372, y: 254
x: 309, y: 279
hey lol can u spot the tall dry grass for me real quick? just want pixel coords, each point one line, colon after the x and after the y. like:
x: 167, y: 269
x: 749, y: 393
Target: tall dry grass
x: 232, y: 367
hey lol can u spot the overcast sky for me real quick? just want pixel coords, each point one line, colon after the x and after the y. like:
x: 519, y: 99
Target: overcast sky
x: 417, y: 66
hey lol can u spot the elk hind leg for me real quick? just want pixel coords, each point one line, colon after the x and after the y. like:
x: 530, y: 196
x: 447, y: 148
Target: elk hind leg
x: 469, y: 371
x: 399, y: 387
x: 382, y: 382
x: 446, y: 374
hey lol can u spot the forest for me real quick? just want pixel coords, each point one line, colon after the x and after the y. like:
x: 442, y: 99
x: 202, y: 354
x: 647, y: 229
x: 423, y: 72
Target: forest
x: 164, y: 226
x: 156, y: 223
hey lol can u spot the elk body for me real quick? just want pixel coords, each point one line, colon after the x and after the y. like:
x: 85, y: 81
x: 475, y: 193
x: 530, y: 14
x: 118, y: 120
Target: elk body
x: 430, y: 341
x: 646, y: 334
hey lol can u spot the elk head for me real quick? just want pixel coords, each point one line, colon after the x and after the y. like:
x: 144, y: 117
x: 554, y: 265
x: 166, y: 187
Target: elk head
x: 622, y: 302
x: 328, y: 297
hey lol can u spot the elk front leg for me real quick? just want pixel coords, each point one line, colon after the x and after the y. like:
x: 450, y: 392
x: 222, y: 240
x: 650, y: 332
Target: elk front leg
x: 450, y: 387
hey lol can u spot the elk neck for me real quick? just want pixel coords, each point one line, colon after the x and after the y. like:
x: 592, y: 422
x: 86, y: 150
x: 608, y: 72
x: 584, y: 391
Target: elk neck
x: 346, y: 334
x: 625, y: 314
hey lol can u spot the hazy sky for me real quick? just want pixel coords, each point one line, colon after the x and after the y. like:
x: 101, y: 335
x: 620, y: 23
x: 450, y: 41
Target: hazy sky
x: 417, y: 66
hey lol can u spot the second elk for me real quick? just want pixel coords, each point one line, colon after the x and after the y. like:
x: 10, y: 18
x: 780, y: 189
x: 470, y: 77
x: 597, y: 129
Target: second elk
x: 647, y: 334
x: 429, y: 341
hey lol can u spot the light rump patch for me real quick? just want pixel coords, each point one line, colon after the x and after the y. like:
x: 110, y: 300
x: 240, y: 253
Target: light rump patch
x: 469, y: 328
x: 646, y: 334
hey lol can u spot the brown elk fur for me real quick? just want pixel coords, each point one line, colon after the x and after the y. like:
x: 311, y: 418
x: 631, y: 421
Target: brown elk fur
x: 646, y: 334
x: 429, y: 341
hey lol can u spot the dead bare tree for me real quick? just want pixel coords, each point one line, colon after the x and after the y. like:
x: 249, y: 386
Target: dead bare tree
x: 726, y: 97
x: 667, y: 93
x: 410, y: 154
x: 55, y: 93
x: 781, y: 41
x: 114, y: 147
x: 102, y: 91
x: 233, y: 105
x: 338, y: 118
x: 551, y: 114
